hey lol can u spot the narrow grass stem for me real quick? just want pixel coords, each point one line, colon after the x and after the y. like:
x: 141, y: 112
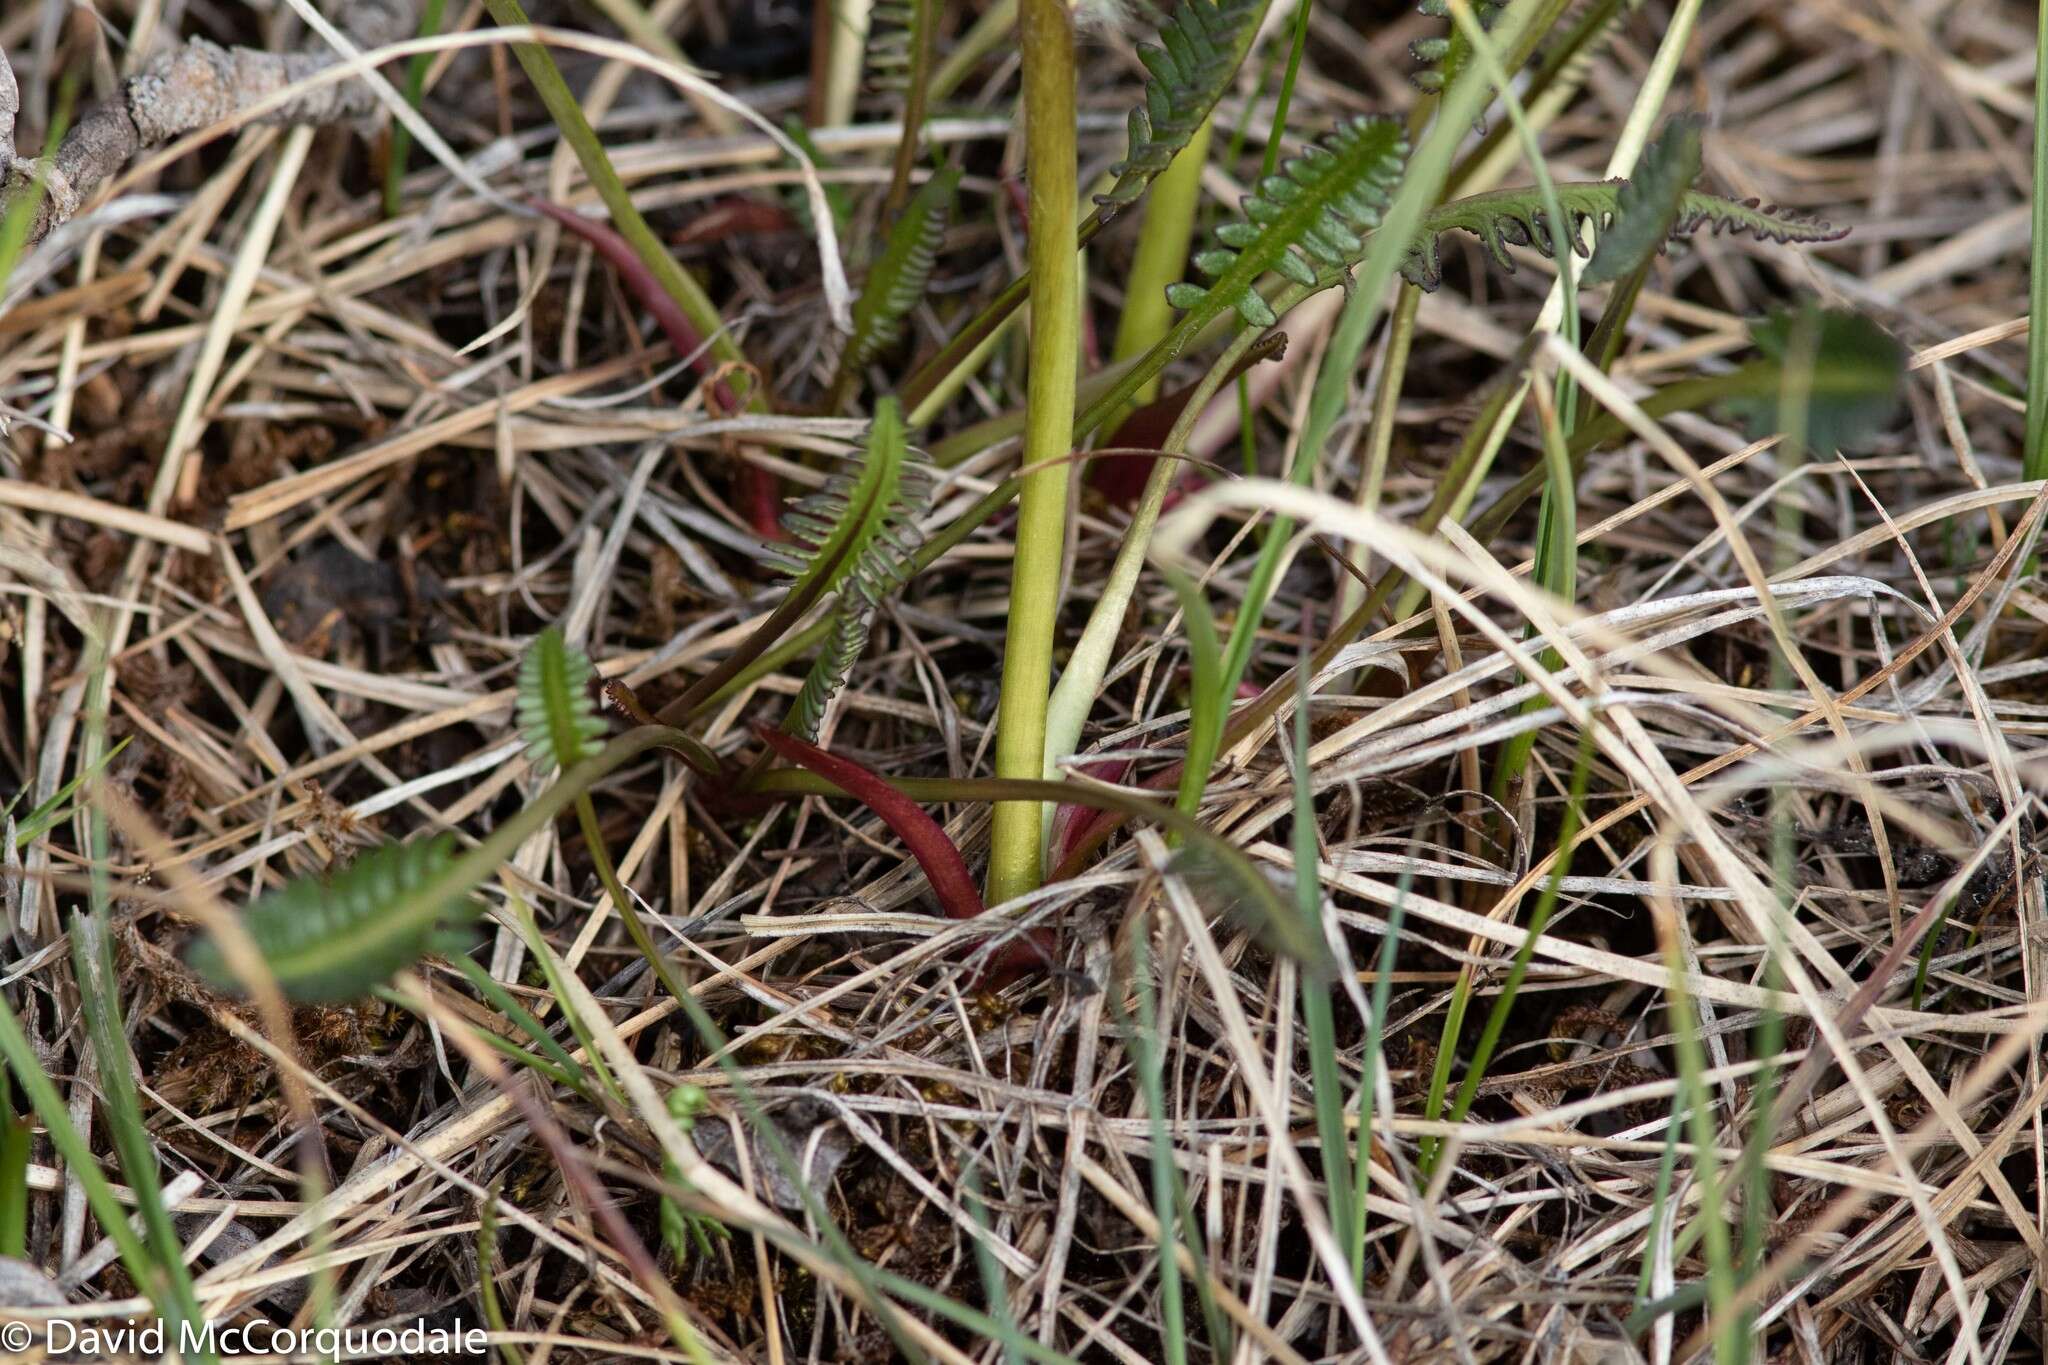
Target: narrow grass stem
x: 400, y: 150
x: 1081, y: 680
x: 1504, y: 1002
x: 1373, y: 1071
x: 1698, y: 1101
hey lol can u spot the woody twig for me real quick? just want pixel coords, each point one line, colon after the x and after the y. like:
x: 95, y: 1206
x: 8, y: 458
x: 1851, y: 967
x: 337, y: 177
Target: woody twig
x: 188, y: 87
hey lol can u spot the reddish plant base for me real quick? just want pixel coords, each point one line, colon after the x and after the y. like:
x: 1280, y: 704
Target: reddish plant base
x: 934, y: 850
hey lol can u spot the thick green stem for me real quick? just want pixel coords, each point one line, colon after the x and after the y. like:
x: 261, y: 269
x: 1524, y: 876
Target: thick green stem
x: 1162, y: 255
x: 1046, y: 29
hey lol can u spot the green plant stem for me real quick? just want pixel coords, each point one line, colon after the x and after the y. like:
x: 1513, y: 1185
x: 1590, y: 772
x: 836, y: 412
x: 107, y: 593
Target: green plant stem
x: 1081, y: 681
x: 82, y: 1165
x: 1370, y: 1067
x: 1162, y: 256
x: 1610, y: 334
x: 1380, y: 446
x: 487, y: 1271
x: 1504, y: 1003
x: 1318, y: 1002
x: 629, y: 914
x: 1660, y: 1196
x: 1557, y: 565
x: 400, y: 151
x: 1046, y: 29
x: 561, y: 104
x: 969, y: 48
x: 1692, y: 1066
x: 501, y: 1000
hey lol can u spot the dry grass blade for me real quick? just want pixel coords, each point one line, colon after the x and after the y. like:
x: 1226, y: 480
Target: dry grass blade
x: 293, y: 475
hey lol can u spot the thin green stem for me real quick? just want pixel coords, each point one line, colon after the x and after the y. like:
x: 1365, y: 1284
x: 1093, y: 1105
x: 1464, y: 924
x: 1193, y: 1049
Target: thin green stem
x: 1692, y: 1086
x: 629, y: 915
x: 1504, y: 1003
x: 400, y: 151
x: 1318, y: 1002
x: 1162, y: 255
x: 1369, y: 1071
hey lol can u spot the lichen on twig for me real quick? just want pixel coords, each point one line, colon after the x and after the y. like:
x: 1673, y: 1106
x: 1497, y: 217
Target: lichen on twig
x: 191, y: 86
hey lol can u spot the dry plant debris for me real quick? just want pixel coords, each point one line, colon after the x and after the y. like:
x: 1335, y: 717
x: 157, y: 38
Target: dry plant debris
x: 292, y: 478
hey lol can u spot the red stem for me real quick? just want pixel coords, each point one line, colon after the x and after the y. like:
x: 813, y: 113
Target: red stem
x: 927, y: 841
x: 760, y: 494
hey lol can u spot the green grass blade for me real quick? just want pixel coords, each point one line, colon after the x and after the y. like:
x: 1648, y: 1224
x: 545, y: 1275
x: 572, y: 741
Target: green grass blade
x: 415, y: 87
x: 1318, y: 1002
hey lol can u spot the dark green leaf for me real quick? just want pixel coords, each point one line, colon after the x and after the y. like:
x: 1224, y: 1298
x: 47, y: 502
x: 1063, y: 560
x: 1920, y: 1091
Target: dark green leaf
x: 331, y: 939
x: 1444, y: 58
x: 1517, y: 217
x: 1308, y: 222
x: 897, y: 282
x: 1204, y: 43
x: 856, y: 537
x: 1648, y: 206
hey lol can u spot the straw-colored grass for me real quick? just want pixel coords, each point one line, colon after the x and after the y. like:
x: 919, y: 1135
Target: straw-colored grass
x: 288, y: 487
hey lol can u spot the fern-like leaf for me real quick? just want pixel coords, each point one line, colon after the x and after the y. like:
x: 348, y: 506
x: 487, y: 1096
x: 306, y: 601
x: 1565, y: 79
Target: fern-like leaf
x: 892, y: 41
x: 1445, y: 58
x: 556, y: 713
x: 1648, y: 205
x: 856, y: 536
x: 896, y: 283
x: 1517, y: 217
x: 1306, y: 222
x: 1201, y: 47
x: 331, y: 940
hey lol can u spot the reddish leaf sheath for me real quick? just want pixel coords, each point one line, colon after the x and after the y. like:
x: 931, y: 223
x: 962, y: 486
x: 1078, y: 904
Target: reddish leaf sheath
x: 1069, y: 821
x: 935, y: 852
x: 640, y: 282
x: 735, y: 217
